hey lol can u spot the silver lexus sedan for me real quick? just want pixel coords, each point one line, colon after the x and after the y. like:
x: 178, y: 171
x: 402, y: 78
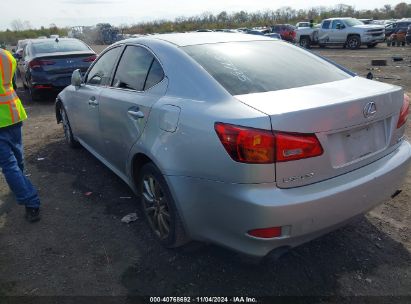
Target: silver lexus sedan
x: 240, y: 140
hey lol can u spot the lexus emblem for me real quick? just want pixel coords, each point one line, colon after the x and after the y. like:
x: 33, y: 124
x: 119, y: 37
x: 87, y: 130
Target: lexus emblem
x: 370, y: 109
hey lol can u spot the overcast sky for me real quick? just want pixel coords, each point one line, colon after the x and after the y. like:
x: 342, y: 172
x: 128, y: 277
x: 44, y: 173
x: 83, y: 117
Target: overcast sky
x: 89, y: 12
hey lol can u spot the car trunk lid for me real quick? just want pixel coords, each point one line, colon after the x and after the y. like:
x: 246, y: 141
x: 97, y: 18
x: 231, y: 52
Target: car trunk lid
x: 65, y: 62
x: 341, y: 115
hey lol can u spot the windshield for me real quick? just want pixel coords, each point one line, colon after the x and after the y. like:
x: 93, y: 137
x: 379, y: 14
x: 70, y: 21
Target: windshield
x: 261, y: 66
x: 51, y: 46
x: 353, y: 22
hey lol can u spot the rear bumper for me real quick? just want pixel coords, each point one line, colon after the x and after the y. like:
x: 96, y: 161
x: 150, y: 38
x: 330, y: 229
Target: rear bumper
x: 223, y: 213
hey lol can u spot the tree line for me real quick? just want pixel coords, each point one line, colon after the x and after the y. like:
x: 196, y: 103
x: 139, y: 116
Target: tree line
x: 265, y: 18
x: 222, y: 20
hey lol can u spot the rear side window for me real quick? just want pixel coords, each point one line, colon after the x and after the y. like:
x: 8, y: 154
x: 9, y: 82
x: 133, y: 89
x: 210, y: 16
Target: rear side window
x: 326, y: 24
x: 53, y: 46
x: 133, y: 68
x: 155, y: 75
x: 261, y: 66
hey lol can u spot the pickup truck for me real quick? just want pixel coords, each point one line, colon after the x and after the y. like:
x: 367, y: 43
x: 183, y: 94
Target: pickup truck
x: 348, y: 32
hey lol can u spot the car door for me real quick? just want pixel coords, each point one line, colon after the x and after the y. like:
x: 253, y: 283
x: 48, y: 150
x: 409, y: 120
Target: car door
x: 125, y: 106
x: 84, y: 104
x: 337, y: 32
x: 324, y: 32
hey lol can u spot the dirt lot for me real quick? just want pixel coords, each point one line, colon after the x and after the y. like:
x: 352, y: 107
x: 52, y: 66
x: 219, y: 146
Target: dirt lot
x: 82, y: 248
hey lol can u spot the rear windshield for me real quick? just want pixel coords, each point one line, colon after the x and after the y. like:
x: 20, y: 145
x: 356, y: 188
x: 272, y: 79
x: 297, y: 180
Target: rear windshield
x: 261, y: 66
x: 51, y: 46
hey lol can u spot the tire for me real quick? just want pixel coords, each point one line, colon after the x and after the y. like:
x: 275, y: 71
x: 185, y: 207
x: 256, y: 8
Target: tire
x: 305, y: 42
x: 68, y: 133
x: 159, y: 208
x: 33, y: 95
x: 353, y: 42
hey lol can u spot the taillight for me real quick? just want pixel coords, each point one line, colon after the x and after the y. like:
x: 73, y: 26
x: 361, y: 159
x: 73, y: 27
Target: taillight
x: 256, y: 146
x: 38, y: 63
x: 247, y: 145
x: 293, y: 146
x: 404, y: 112
x: 90, y: 59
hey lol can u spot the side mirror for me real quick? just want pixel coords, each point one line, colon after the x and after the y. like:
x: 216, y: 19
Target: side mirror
x: 76, y: 79
x: 17, y: 56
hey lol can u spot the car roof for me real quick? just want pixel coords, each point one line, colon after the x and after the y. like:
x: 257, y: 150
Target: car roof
x: 196, y: 38
x: 342, y: 18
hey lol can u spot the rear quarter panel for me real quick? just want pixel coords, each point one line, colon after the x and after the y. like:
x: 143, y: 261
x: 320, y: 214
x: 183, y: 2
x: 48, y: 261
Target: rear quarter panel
x: 194, y: 149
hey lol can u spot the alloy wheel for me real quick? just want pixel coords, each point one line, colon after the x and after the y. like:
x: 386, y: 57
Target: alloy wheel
x: 156, y: 206
x: 353, y: 43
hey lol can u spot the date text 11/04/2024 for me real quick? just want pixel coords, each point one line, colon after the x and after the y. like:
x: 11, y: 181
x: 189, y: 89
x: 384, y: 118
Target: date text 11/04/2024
x: 203, y: 300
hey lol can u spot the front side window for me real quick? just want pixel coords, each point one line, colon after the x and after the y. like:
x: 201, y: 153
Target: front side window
x: 335, y: 22
x: 101, y: 71
x: 262, y: 66
x: 138, y: 70
x: 390, y: 27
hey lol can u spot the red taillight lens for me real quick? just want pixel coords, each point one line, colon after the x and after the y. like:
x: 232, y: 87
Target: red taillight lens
x: 404, y: 112
x: 266, y: 233
x: 293, y: 146
x: 42, y: 86
x: 90, y: 59
x: 255, y: 146
x: 247, y: 145
x: 37, y: 63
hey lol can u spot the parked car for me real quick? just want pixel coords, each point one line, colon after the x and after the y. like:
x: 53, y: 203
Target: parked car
x: 273, y: 35
x: 286, y: 31
x: 366, y: 21
x: 18, y: 51
x: 391, y: 28
x: 258, y: 31
x: 397, y: 37
x: 348, y: 32
x: 302, y: 24
x: 47, y: 64
x: 408, y: 35
x: 255, y: 153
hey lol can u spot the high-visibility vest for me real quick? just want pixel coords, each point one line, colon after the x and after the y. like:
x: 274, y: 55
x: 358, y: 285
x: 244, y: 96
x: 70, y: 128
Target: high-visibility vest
x: 11, y: 109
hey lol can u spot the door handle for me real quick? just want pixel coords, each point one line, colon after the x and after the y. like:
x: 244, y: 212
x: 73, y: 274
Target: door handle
x: 92, y: 101
x: 136, y: 114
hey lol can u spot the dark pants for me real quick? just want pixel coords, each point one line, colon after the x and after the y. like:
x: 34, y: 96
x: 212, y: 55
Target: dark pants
x: 12, y: 165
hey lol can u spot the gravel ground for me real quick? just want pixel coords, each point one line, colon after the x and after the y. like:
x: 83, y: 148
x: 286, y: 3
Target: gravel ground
x: 80, y: 247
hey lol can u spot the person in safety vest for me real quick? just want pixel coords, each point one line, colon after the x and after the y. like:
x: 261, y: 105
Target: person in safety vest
x: 12, y: 115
